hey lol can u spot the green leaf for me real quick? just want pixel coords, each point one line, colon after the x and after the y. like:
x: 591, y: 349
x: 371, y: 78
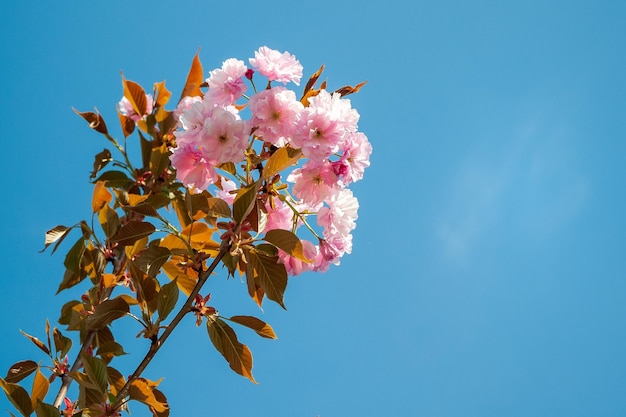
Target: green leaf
x: 259, y: 326
x: 18, y: 397
x: 109, y: 220
x: 145, y: 209
x: 100, y: 161
x: 152, y: 259
x: 96, y: 370
x: 168, y: 296
x: 70, y: 278
x: 20, y: 370
x: 56, y: 234
x: 237, y: 355
x: 46, y: 410
x: 73, y: 257
x: 283, y: 158
x: 62, y: 344
x: 270, y: 275
x: 244, y: 201
x: 159, y: 159
x: 146, y: 285
x: 106, y: 312
x: 287, y: 241
x: 37, y: 342
x: 132, y: 232
x: 115, y: 179
x: 218, y: 207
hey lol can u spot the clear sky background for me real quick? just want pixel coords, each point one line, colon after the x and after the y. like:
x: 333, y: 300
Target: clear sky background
x: 488, y: 276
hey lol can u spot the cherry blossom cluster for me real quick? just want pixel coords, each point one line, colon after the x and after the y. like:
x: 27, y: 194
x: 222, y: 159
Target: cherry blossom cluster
x: 213, y: 131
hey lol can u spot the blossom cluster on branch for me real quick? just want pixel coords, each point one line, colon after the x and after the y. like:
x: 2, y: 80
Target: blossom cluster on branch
x: 258, y: 181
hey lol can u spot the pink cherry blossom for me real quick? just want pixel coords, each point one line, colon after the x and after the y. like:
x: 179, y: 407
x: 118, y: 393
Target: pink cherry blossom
x: 336, y: 107
x: 275, y: 113
x: 224, y: 137
x: 338, y: 218
x: 279, y: 217
x: 193, y: 167
x: 184, y: 104
x: 324, y: 125
x: 314, y: 182
x: 356, y: 151
x: 276, y: 66
x: 226, y: 85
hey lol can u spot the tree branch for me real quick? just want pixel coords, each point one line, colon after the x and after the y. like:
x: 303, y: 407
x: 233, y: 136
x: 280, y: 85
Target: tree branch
x: 156, y: 345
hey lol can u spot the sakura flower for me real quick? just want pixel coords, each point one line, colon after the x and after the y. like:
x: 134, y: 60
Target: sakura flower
x: 338, y: 219
x: 183, y: 105
x: 330, y: 252
x: 224, y: 137
x: 193, y: 167
x: 324, y: 125
x: 275, y: 113
x: 356, y: 151
x: 319, y: 135
x: 226, y: 85
x: 314, y: 182
x: 337, y: 108
x: 276, y: 66
x: 126, y: 108
x: 279, y: 217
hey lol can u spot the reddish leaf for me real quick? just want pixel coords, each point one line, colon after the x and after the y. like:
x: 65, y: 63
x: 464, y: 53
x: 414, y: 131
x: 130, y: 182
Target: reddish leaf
x: 101, y: 197
x: 128, y: 124
x: 136, y: 95
x: 132, y: 231
x: 168, y: 296
x: 237, y: 355
x: 312, y: 80
x: 37, y: 342
x: 46, y: 410
x: 141, y: 391
x: 287, y: 241
x: 116, y: 380
x: 96, y: 371
x: 100, y: 161
x: 270, y: 275
x: 161, y: 97
x: 21, y: 370
x: 344, y: 91
x: 283, y: 158
x: 39, y: 389
x: 244, y: 201
x: 56, y: 234
x: 106, y: 312
x: 95, y: 121
x: 259, y: 326
x: 195, y: 78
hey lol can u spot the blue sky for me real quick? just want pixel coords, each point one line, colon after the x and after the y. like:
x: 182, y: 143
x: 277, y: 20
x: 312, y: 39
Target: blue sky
x: 488, y: 274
